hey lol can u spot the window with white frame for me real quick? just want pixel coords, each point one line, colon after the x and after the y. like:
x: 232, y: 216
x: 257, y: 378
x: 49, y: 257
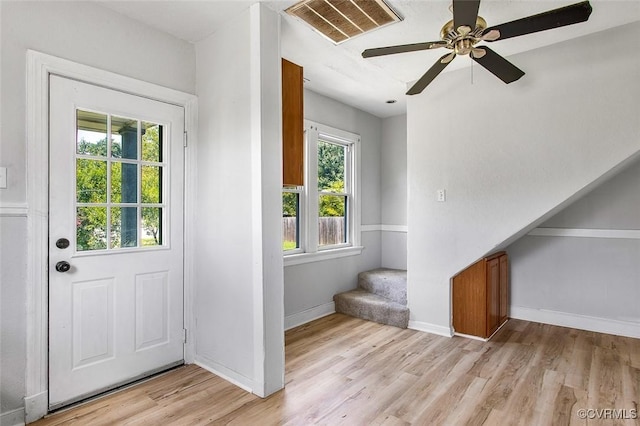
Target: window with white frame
x: 321, y: 218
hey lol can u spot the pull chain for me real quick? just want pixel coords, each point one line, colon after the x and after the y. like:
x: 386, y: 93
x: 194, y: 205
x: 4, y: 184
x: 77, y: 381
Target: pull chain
x: 472, y: 61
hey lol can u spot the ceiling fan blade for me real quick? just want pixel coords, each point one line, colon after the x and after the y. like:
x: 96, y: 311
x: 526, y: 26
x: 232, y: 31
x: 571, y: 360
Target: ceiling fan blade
x: 555, y: 18
x: 432, y: 73
x: 498, y: 66
x: 465, y: 13
x: 380, y: 51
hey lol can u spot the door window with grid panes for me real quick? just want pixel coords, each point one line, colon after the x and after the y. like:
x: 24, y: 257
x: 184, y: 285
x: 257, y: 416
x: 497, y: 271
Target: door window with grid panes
x: 120, y: 170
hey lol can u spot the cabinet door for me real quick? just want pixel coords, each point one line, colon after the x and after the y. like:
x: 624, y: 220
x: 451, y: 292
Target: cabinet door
x: 469, y: 301
x: 292, y: 125
x: 493, y: 295
x: 504, y: 288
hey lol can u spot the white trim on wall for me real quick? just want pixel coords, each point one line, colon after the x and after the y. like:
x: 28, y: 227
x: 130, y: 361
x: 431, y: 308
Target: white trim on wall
x: 395, y: 228
x: 39, y: 67
x: 586, y: 233
x: 430, y: 328
x: 12, y: 418
x: 308, y: 315
x: 385, y: 228
x: 223, y: 372
x: 581, y: 322
x: 299, y: 259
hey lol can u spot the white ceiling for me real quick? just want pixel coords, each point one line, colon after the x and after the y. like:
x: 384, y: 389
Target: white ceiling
x: 340, y: 72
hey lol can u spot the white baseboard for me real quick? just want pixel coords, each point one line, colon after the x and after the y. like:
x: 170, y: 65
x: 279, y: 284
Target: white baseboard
x: 229, y: 375
x: 309, y: 315
x: 582, y: 322
x: 431, y: 328
x: 36, y: 406
x: 12, y: 418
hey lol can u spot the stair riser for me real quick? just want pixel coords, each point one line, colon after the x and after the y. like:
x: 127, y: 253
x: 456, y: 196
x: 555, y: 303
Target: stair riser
x: 388, y: 283
x: 362, y: 307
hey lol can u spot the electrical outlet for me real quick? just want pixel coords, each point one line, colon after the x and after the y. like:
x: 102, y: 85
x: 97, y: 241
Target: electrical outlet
x: 3, y: 177
x: 441, y: 195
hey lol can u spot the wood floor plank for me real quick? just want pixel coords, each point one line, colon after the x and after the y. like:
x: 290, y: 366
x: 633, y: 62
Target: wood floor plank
x: 347, y: 371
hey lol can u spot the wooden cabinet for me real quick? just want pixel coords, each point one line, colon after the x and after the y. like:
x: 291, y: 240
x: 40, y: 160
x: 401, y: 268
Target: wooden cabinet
x: 292, y: 125
x: 481, y: 296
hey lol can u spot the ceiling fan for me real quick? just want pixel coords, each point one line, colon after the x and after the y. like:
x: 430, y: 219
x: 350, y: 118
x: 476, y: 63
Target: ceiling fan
x: 466, y: 29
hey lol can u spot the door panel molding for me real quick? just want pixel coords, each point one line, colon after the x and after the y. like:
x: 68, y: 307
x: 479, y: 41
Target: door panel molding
x: 39, y: 67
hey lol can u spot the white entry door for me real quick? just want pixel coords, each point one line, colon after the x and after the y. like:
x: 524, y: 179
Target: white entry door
x: 115, y: 239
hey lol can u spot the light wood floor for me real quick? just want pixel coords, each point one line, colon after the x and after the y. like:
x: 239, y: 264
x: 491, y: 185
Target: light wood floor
x: 345, y: 371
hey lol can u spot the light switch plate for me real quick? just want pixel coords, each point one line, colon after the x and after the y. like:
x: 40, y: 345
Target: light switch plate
x: 441, y: 195
x: 3, y: 177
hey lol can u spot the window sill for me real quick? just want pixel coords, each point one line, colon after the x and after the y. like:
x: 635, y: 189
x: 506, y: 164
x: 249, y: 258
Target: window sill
x: 300, y: 258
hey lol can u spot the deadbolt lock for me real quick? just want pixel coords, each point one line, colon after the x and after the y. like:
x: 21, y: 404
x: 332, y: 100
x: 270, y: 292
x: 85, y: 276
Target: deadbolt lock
x: 62, y: 243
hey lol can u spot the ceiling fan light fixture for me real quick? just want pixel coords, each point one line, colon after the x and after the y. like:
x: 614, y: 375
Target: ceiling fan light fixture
x: 341, y: 20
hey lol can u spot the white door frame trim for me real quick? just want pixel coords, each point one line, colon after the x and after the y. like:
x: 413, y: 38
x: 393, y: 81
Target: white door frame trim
x: 39, y: 67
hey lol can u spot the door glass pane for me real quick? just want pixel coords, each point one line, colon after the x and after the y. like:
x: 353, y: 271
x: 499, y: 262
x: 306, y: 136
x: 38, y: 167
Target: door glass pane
x: 290, y: 224
x: 124, y: 138
x: 331, y: 160
x: 332, y: 220
x: 151, y: 142
x: 151, y: 232
x: 151, y: 184
x: 91, y: 228
x: 91, y: 133
x: 124, y: 227
x: 126, y: 183
x: 91, y: 181
x: 116, y: 182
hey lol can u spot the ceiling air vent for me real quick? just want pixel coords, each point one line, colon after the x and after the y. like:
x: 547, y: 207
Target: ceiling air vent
x: 340, y: 20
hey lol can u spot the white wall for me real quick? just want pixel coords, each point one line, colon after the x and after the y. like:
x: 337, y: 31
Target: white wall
x: 238, y: 276
x: 523, y: 150
x: 309, y: 288
x: 91, y: 35
x: 584, y: 281
x: 393, y: 192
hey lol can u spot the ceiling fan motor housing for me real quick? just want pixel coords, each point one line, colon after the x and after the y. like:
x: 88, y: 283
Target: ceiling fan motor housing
x: 462, y: 39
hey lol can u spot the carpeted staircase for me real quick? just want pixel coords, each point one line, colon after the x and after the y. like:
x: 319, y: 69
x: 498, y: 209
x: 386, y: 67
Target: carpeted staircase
x: 381, y: 296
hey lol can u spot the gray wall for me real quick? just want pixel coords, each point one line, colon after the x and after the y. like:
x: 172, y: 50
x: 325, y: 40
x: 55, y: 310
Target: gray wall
x: 556, y: 277
x: 91, y: 35
x: 311, y: 285
x: 393, y: 192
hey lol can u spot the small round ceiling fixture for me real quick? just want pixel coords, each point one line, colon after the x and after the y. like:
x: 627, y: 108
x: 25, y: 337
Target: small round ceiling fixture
x: 391, y: 101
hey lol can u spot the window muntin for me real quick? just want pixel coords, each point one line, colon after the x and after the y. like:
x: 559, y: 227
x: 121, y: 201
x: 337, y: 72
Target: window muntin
x: 328, y: 213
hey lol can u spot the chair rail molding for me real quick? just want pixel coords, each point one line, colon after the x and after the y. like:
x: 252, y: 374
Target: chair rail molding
x: 633, y: 234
